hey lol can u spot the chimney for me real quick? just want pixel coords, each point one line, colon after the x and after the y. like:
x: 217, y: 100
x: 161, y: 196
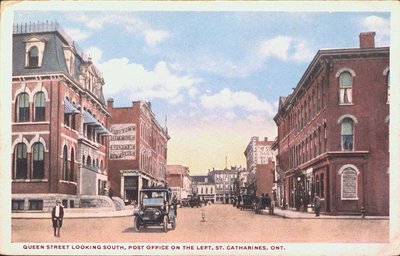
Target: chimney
x: 367, y: 40
x: 110, y: 103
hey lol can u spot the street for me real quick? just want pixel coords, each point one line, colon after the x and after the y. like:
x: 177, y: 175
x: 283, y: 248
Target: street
x: 223, y: 224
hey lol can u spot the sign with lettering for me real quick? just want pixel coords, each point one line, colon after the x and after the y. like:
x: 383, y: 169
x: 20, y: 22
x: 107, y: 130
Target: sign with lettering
x: 349, y: 184
x: 123, y: 142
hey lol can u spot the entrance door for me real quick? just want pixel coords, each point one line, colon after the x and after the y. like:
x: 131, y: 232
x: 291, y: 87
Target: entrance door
x: 131, y: 189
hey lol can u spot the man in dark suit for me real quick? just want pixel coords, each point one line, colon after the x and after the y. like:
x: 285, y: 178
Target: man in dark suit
x: 57, y: 215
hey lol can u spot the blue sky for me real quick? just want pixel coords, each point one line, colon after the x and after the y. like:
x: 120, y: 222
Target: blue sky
x: 216, y: 75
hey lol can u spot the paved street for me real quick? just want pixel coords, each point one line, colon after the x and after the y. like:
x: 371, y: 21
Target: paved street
x: 224, y: 223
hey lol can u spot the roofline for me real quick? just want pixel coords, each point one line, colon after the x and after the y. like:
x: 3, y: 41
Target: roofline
x: 322, y: 54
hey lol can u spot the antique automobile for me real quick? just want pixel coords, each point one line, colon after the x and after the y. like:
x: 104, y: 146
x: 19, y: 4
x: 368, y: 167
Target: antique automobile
x: 155, y: 209
x: 195, y: 201
x: 246, y: 202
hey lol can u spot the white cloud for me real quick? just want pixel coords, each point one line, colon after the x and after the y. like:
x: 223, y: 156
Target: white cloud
x: 136, y: 82
x: 226, y: 99
x: 379, y: 25
x: 276, y: 47
x: 285, y: 48
x: 154, y: 37
x: 129, y: 23
x: 95, y: 53
x: 77, y: 34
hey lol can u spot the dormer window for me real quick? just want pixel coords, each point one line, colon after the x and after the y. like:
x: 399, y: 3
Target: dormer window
x: 34, y: 49
x: 33, y: 57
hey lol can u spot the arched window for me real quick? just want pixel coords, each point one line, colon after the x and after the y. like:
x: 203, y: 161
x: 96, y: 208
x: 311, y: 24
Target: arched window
x: 88, y: 161
x: 346, y: 85
x: 39, y: 106
x: 33, y: 57
x: 23, y: 107
x: 20, y: 161
x: 347, y: 133
x: 37, y: 161
x: 72, y: 166
x: 64, y: 175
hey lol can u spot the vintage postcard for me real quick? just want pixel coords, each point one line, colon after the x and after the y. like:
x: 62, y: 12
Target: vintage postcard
x: 199, y: 128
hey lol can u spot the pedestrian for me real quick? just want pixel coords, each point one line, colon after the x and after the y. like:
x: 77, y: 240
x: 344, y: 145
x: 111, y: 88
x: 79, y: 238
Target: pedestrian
x: 57, y: 215
x: 317, y: 204
x: 267, y: 201
x: 175, y: 204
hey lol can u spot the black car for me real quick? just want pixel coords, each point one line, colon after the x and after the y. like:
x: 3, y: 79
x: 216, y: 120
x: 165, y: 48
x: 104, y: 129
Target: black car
x: 246, y: 202
x: 195, y: 201
x: 155, y: 209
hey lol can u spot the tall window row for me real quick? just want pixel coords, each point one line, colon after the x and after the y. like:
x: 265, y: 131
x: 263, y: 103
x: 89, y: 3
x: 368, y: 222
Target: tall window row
x: 313, y: 145
x: 24, y: 111
x: 28, y: 165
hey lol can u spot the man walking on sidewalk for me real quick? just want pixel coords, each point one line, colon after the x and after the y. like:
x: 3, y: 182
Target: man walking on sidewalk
x: 57, y: 215
x: 317, y: 204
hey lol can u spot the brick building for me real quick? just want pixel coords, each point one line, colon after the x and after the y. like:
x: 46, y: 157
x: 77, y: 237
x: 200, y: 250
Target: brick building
x: 58, y: 120
x: 137, y: 151
x: 333, y: 132
x: 226, y: 184
x: 179, y: 180
x: 260, y: 166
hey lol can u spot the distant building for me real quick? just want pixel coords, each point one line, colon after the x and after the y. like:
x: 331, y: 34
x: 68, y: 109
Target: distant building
x: 333, y: 132
x: 226, y: 184
x: 179, y: 180
x: 137, y: 150
x: 204, y: 187
x: 260, y: 166
x: 59, y: 120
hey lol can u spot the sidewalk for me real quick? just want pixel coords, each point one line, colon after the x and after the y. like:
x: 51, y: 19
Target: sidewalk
x: 290, y: 214
x: 77, y: 213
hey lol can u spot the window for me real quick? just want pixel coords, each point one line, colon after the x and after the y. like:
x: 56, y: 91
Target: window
x: 33, y: 57
x: 347, y: 134
x: 65, y: 164
x: 346, y: 84
x: 322, y: 186
x: 348, y: 183
x: 35, y: 204
x: 20, y: 161
x: 23, y: 107
x: 39, y: 106
x: 38, y: 161
x: 17, y: 205
x: 72, y: 166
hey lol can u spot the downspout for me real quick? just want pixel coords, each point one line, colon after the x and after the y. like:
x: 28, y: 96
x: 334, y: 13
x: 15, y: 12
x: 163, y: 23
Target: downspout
x: 51, y: 112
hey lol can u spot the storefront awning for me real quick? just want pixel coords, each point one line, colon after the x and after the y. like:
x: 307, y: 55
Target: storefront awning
x: 91, y: 120
x: 69, y: 108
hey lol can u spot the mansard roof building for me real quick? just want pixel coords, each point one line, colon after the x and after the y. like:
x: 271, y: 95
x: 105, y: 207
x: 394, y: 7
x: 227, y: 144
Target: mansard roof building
x: 59, y: 120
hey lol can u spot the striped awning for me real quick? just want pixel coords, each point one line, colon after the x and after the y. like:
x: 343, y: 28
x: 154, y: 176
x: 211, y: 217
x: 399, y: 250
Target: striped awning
x: 91, y: 120
x: 69, y: 108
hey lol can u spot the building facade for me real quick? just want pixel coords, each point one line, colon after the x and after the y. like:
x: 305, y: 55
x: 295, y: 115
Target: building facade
x: 333, y: 132
x: 59, y: 120
x: 226, y: 184
x: 204, y: 187
x: 179, y: 180
x: 137, y: 150
x: 260, y: 166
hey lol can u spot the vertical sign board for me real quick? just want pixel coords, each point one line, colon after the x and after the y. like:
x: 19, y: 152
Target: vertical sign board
x: 349, y: 184
x: 123, y: 142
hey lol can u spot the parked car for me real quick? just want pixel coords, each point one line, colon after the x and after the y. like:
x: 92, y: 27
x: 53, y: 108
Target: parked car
x: 246, y: 202
x: 155, y: 209
x: 195, y: 201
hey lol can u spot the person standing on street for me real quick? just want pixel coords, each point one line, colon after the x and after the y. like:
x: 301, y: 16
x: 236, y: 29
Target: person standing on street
x: 317, y: 205
x: 57, y: 215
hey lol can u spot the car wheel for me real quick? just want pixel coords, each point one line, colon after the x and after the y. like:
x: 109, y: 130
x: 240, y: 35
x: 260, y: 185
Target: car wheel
x: 165, y: 223
x: 137, y: 224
